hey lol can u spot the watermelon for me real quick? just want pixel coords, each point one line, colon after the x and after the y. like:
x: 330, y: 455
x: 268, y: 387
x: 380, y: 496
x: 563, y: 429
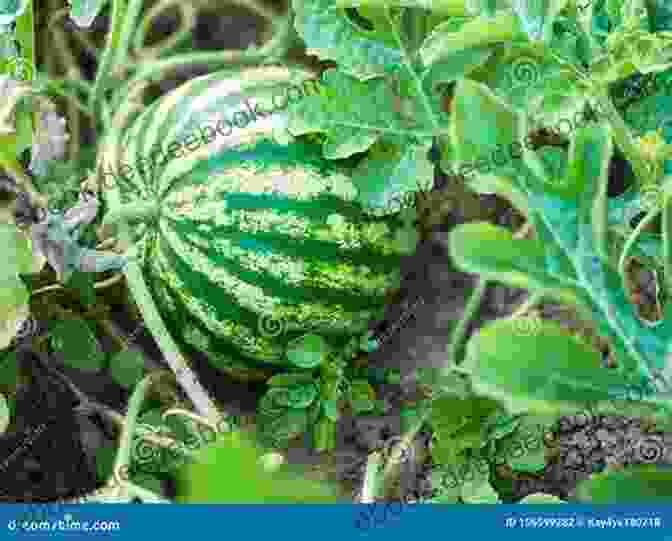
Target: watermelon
x: 248, y: 237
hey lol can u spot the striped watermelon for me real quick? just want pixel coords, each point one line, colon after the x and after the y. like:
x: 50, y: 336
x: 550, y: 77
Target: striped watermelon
x: 253, y: 241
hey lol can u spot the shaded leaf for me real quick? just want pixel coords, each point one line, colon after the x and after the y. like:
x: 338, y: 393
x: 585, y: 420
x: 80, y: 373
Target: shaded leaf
x: 544, y: 370
x: 77, y: 345
x: 127, y: 368
x: 329, y: 34
x: 385, y: 179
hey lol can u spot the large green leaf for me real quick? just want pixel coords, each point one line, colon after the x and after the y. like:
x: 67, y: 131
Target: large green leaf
x: 445, y: 41
x: 229, y: 472
x: 383, y: 179
x: 460, y: 424
x: 538, y: 369
x: 494, y: 128
x: 331, y: 35
x: 633, y: 485
x: 493, y: 252
x: 577, y: 223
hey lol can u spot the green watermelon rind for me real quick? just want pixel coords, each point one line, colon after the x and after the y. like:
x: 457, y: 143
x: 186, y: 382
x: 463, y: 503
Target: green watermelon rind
x: 256, y: 242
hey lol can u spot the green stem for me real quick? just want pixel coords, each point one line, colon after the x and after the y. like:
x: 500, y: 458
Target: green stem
x: 460, y: 330
x: 184, y: 32
x: 25, y: 35
x: 625, y: 140
x: 128, y: 27
x: 416, y: 79
x: 59, y: 87
x: 648, y: 219
x: 667, y: 247
x: 107, y: 61
x: 214, y: 60
x: 171, y: 352
x: 135, y: 403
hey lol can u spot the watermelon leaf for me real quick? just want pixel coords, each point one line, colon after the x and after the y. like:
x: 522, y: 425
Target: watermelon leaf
x: 355, y: 114
x: 77, y: 345
x: 492, y: 252
x: 127, y: 368
x: 541, y: 370
x: 82, y: 285
x: 388, y: 174
x: 329, y: 34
